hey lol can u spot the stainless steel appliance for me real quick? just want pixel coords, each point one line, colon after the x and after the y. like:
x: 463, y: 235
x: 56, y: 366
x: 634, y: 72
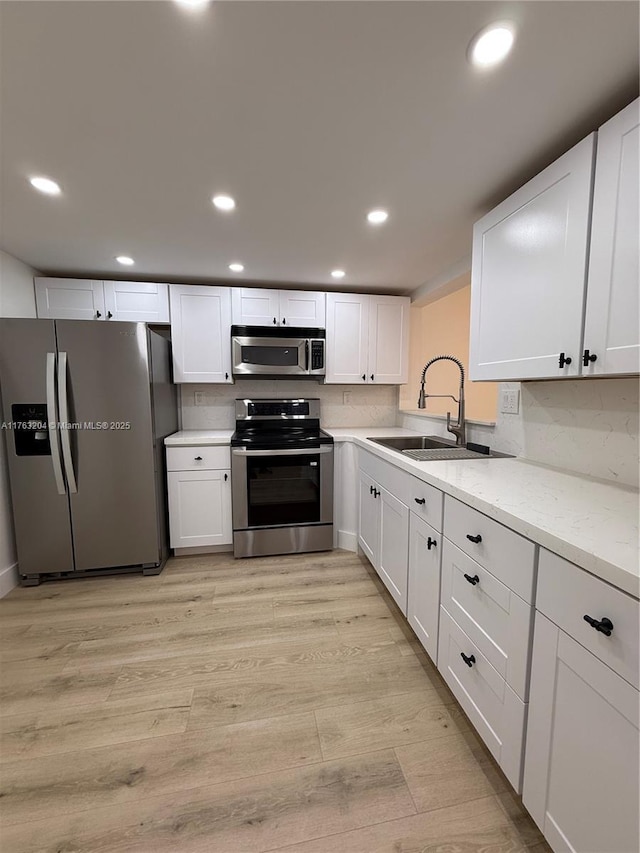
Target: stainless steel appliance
x: 263, y: 351
x: 282, y: 478
x: 86, y: 408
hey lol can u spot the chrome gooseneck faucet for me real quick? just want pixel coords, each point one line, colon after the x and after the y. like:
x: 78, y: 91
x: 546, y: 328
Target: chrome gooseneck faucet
x: 458, y: 428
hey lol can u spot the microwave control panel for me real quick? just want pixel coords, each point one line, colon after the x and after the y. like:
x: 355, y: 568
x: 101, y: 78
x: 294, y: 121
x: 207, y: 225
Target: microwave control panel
x: 317, y: 355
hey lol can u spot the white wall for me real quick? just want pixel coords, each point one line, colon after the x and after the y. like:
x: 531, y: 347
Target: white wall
x: 589, y: 426
x: 17, y: 299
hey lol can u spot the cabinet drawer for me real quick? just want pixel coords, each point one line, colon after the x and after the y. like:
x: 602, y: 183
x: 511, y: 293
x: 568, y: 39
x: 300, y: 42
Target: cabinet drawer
x: 426, y: 501
x: 508, y: 556
x: 495, y: 618
x: 198, y: 458
x: 492, y: 706
x: 566, y: 594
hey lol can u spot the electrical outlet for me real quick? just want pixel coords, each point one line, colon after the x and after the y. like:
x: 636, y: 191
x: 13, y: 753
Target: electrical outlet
x: 510, y: 401
x: 199, y: 398
x: 346, y: 398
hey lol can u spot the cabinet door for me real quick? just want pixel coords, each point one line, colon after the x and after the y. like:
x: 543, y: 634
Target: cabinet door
x: 255, y: 307
x: 201, y: 333
x: 611, y: 325
x: 199, y: 508
x: 529, y: 273
x: 368, y: 519
x: 388, y: 359
x: 423, y: 595
x: 136, y: 301
x: 393, y: 565
x: 347, y: 338
x: 581, y: 760
x: 302, y: 308
x: 69, y: 299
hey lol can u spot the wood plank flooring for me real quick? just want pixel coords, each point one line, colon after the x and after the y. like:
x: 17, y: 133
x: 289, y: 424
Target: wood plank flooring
x: 226, y: 706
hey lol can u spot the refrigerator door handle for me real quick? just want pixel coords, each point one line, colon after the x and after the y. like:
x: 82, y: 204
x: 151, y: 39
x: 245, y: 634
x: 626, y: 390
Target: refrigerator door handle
x: 63, y: 405
x: 52, y: 425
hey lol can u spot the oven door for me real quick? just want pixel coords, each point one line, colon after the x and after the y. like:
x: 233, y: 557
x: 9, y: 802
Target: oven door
x: 255, y: 356
x: 282, y: 488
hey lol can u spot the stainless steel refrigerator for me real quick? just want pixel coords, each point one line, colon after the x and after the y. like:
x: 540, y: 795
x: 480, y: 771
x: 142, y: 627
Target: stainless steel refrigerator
x: 86, y: 407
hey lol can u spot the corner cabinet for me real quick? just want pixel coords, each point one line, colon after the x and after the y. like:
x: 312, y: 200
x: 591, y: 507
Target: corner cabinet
x: 367, y: 339
x: 201, y: 333
x: 90, y: 299
x: 555, y: 272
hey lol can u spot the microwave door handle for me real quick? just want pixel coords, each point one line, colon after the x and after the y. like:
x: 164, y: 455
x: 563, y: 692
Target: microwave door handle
x: 311, y: 451
x: 306, y: 356
x: 63, y: 407
x: 52, y: 418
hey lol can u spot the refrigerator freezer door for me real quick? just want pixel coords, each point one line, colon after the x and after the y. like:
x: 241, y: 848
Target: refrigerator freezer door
x: 41, y: 514
x: 113, y: 512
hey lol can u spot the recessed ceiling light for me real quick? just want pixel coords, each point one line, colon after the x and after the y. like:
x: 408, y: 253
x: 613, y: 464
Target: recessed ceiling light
x: 236, y: 267
x: 125, y: 260
x: 491, y: 45
x: 338, y: 273
x: 45, y: 185
x: 377, y: 217
x: 224, y: 202
x: 192, y: 4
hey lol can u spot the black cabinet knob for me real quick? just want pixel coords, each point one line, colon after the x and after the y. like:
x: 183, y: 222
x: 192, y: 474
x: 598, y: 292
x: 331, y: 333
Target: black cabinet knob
x: 588, y: 358
x: 109, y: 315
x: 604, y: 625
x: 564, y: 359
x: 476, y: 539
x: 98, y: 314
x: 284, y: 321
x: 372, y: 377
x: 197, y: 458
x: 364, y: 377
x: 226, y: 376
x: 226, y: 477
x: 420, y: 500
x: 275, y: 321
x: 431, y: 543
x: 468, y: 660
x: 472, y: 580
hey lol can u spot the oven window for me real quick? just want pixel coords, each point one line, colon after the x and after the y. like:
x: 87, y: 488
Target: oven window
x: 283, y: 490
x: 271, y: 356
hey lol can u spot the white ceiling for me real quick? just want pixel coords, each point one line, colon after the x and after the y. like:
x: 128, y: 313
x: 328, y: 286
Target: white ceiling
x: 309, y: 114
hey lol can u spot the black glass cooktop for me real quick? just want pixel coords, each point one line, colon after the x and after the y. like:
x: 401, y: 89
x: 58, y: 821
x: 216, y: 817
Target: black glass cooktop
x: 266, y: 439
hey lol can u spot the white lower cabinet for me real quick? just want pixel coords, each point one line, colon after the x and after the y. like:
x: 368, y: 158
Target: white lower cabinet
x: 199, y: 496
x: 581, y: 767
x: 423, y: 597
x: 368, y: 519
x: 393, y: 564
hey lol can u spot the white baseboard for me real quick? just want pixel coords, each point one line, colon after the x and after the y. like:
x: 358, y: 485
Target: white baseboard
x: 347, y: 541
x: 8, y: 579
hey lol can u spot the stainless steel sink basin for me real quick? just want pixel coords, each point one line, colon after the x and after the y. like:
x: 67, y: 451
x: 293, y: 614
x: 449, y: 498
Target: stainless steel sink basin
x: 432, y: 448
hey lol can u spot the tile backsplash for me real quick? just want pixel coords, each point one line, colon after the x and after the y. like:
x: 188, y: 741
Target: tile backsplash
x: 367, y: 405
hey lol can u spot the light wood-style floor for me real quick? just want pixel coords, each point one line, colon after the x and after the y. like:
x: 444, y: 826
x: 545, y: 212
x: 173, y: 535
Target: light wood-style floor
x: 231, y: 706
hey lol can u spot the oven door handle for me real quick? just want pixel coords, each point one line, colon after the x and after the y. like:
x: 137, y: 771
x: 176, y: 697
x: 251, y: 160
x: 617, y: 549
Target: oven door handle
x: 311, y: 451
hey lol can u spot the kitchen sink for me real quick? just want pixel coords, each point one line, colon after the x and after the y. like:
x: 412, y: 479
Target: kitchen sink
x: 432, y: 448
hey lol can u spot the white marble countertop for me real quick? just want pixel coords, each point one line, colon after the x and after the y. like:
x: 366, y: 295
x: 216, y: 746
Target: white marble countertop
x: 590, y: 522
x: 198, y: 437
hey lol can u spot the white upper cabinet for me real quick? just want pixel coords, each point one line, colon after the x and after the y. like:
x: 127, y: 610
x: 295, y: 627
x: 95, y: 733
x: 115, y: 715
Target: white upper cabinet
x: 611, y: 325
x: 69, y: 299
x: 137, y: 301
x: 529, y: 275
x: 254, y: 306
x: 201, y: 333
x: 367, y: 339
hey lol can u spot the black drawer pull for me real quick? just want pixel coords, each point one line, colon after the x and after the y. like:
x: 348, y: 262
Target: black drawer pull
x: 431, y: 543
x: 477, y: 539
x: 472, y: 580
x: 420, y: 500
x: 588, y: 358
x: 371, y: 490
x: 605, y: 626
x: 468, y: 660
x: 197, y: 458
x: 564, y: 359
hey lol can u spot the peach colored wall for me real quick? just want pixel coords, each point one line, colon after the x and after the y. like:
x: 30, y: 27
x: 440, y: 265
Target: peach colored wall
x: 442, y: 328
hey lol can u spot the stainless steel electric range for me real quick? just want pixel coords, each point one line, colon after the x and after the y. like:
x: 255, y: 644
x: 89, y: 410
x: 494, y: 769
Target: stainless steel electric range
x: 282, y: 478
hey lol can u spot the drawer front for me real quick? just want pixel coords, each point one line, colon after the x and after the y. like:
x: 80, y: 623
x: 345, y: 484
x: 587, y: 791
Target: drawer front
x: 426, y: 501
x: 566, y: 594
x: 198, y: 458
x: 495, y: 618
x: 492, y: 706
x: 507, y: 555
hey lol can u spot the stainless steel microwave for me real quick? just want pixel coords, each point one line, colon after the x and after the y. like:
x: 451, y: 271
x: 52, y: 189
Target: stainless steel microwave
x: 263, y: 351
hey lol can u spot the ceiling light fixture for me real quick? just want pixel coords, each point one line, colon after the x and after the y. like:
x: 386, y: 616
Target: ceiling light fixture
x: 125, y: 260
x: 45, y: 185
x: 192, y: 4
x: 236, y: 267
x: 224, y: 202
x: 338, y: 273
x: 491, y: 45
x: 377, y: 217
